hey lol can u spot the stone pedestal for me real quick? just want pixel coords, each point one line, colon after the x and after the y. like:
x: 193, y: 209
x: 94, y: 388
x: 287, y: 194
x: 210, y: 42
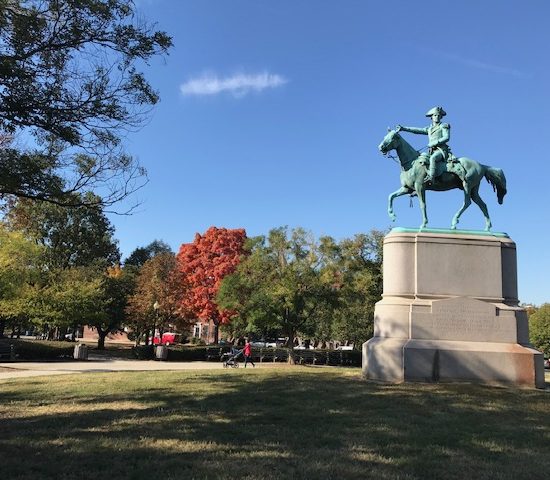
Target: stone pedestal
x: 450, y: 312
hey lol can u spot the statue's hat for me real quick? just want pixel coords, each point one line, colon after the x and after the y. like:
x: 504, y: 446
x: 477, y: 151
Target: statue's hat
x: 435, y: 110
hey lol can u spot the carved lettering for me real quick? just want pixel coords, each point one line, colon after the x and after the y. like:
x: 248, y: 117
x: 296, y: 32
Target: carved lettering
x: 463, y: 317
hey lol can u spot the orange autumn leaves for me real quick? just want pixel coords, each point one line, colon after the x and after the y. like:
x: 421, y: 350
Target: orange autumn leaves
x: 203, y: 264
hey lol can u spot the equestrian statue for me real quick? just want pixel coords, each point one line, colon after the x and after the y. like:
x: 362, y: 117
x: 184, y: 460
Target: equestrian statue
x: 439, y: 169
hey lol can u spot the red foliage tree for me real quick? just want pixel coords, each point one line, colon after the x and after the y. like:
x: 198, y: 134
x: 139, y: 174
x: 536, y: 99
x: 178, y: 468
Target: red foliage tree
x: 203, y: 265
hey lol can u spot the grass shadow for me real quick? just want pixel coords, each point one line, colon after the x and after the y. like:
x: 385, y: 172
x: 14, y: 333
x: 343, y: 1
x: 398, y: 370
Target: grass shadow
x: 285, y: 423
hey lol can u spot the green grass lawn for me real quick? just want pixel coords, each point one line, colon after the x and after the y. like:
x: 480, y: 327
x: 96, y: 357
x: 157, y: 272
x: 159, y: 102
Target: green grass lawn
x: 268, y: 424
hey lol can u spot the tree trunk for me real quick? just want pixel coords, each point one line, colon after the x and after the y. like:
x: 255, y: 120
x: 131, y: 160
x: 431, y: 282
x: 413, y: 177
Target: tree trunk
x: 50, y: 334
x: 61, y: 333
x: 290, y: 346
x: 73, y: 335
x: 2, y: 328
x: 101, y: 339
x: 216, y: 332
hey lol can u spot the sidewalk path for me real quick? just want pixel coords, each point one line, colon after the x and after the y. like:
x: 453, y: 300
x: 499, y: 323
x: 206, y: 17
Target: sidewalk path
x: 98, y: 364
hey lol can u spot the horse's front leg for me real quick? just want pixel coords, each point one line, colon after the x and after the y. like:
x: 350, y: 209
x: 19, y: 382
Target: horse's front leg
x: 397, y: 193
x: 421, y: 192
x: 465, y: 205
x: 483, y: 207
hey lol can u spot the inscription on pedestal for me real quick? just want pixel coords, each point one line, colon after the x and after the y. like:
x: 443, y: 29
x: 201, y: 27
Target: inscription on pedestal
x: 465, y: 319
x: 463, y: 315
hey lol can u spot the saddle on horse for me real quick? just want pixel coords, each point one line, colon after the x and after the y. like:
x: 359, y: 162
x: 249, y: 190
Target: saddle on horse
x: 452, y: 164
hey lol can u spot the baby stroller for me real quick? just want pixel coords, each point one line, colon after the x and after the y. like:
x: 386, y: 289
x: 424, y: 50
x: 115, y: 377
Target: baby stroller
x: 230, y: 359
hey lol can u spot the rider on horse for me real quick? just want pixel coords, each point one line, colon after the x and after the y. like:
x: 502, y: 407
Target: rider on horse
x: 438, y: 136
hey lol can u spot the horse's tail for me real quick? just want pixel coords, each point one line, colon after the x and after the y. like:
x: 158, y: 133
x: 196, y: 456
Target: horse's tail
x: 495, y: 176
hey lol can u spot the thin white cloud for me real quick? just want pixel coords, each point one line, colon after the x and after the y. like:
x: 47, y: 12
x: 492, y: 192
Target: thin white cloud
x: 471, y: 62
x: 487, y: 66
x: 237, y: 85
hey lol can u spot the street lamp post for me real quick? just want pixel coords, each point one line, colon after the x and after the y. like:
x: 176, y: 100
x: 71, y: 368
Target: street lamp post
x: 156, y: 307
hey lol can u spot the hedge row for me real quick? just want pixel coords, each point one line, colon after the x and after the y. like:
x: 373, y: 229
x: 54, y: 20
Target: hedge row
x: 214, y: 353
x: 175, y: 354
x: 42, y: 350
x: 29, y: 350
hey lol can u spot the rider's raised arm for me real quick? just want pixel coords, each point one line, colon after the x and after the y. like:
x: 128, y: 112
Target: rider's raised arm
x: 423, y: 131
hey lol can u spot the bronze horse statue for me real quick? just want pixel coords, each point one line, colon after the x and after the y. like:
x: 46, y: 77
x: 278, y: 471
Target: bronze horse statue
x: 463, y: 173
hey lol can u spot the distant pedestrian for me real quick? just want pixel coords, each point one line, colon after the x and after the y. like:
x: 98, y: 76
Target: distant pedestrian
x: 247, y: 352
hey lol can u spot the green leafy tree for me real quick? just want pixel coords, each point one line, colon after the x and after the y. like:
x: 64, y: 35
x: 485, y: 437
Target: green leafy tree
x: 539, y: 328
x: 69, y: 75
x: 116, y: 286
x: 81, y: 236
x: 141, y: 254
x: 280, y: 285
x: 77, y: 247
x: 70, y: 297
x: 21, y: 268
x: 293, y: 285
x: 355, y: 264
x: 84, y: 296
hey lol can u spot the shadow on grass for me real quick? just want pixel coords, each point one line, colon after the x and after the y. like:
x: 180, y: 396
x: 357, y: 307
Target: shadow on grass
x: 299, y: 423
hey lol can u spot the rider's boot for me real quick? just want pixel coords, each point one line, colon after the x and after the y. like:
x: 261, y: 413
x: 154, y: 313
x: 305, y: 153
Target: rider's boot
x: 431, y: 175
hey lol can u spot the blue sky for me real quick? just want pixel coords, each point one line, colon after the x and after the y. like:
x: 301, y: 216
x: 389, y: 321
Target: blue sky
x: 272, y: 111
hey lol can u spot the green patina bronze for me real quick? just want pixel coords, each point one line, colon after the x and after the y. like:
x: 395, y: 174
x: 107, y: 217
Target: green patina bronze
x: 438, y: 136
x: 439, y: 169
x: 449, y: 231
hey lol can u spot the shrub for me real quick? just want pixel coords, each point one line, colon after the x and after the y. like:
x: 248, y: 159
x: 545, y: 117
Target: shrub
x: 143, y: 352
x: 42, y: 350
x: 186, y: 354
x: 539, y: 328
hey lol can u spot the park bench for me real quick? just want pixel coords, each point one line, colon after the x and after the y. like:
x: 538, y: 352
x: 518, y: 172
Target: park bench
x: 344, y: 358
x: 7, y: 351
x: 213, y: 354
x: 310, y: 357
x: 270, y: 354
x: 328, y: 357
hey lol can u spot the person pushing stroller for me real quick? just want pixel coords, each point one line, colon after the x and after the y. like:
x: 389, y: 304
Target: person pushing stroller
x: 230, y: 359
x: 247, y: 351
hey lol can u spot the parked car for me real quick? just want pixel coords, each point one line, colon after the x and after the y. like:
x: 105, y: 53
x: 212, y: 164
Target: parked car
x: 264, y: 343
x: 168, y: 338
x: 547, y: 362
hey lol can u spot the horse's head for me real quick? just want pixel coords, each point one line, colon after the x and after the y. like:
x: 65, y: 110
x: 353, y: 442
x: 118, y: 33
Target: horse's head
x: 390, y: 141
